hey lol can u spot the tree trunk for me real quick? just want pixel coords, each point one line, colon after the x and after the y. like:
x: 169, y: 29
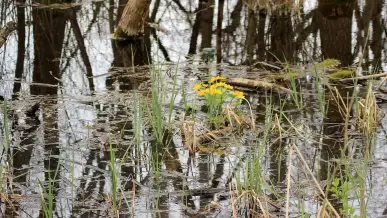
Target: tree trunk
x: 219, y: 32
x: 195, y: 30
x: 251, y: 35
x: 335, y: 23
x: 48, y: 31
x: 21, y: 49
x: 261, y: 51
x: 133, y: 18
x: 282, y: 47
x: 207, y: 20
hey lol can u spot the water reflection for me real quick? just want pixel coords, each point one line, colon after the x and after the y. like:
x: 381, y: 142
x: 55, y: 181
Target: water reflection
x: 57, y: 66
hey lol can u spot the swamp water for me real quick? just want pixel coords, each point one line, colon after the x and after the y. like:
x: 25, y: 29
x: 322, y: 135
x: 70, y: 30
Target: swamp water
x: 78, y: 136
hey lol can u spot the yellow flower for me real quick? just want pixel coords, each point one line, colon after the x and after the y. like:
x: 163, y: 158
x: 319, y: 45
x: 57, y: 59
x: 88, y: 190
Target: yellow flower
x: 222, y: 84
x: 214, y: 91
x: 238, y: 94
x: 216, y: 78
x: 211, y: 91
x: 197, y: 87
x: 227, y: 86
x: 203, y: 92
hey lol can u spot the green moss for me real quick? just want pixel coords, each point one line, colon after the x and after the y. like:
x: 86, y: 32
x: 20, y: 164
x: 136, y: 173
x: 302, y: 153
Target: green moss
x: 119, y: 33
x: 341, y: 74
x: 327, y: 63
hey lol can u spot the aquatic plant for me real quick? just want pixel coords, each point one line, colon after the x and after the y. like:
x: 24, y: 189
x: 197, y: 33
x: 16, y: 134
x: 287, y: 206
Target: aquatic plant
x: 250, y: 182
x: 216, y: 94
x: 138, y: 116
x: 294, y: 83
x: 47, y: 198
x: 172, y: 98
x: 6, y: 129
x: 367, y: 113
x: 157, y: 117
x: 341, y: 190
x: 321, y: 95
x: 47, y: 192
x: 114, y: 177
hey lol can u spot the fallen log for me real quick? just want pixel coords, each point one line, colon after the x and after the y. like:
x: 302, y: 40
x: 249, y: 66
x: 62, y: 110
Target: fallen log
x: 6, y: 31
x: 373, y: 76
x: 249, y: 83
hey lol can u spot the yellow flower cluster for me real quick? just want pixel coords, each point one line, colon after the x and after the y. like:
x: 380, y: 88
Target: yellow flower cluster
x: 211, y: 91
x: 216, y: 83
x: 222, y: 84
x: 216, y: 79
x: 199, y: 86
x: 238, y: 94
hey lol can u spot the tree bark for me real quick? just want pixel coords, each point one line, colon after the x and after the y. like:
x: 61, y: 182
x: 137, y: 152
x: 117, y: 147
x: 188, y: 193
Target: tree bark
x: 219, y: 32
x: 195, y: 30
x: 251, y: 35
x: 334, y: 19
x: 21, y: 49
x: 133, y: 18
x: 48, y: 31
x: 207, y: 20
x: 282, y: 47
x: 6, y: 30
x: 261, y: 38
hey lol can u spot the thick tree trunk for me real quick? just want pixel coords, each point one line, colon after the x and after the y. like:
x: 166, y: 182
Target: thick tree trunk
x: 282, y: 46
x: 207, y: 20
x: 48, y: 31
x: 335, y: 23
x: 133, y: 18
